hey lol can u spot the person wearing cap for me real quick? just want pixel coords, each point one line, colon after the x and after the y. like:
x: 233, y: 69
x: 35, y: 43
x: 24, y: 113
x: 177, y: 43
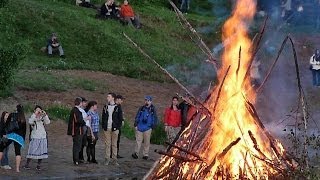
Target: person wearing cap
x: 119, y: 101
x: 112, y: 118
x: 75, y: 125
x: 145, y: 120
x: 87, y: 120
x: 53, y: 44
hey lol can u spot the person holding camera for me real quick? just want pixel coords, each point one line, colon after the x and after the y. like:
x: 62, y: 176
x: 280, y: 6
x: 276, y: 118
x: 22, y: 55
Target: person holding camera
x: 38, y: 147
x: 54, y: 44
x: 146, y: 120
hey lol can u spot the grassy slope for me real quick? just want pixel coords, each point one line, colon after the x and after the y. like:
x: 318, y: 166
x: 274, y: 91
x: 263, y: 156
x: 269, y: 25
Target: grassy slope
x: 94, y: 44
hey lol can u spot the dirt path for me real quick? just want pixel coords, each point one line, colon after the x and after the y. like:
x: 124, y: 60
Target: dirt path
x: 59, y: 164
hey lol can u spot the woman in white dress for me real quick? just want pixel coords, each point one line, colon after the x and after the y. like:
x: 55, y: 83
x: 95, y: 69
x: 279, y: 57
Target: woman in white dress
x: 38, y: 147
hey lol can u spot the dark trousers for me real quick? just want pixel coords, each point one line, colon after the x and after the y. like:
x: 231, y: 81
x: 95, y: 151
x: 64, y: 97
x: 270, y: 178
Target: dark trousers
x: 77, y: 145
x: 91, y: 148
x: 84, y: 142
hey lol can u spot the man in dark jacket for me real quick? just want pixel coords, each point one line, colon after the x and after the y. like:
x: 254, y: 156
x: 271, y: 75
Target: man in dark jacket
x: 112, y: 118
x: 75, y: 125
x: 119, y: 101
x: 146, y: 120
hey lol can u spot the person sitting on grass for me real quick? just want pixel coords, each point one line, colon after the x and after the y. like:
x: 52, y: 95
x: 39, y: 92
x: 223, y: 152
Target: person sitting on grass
x: 85, y: 3
x: 53, y: 44
x: 127, y: 15
x: 109, y: 10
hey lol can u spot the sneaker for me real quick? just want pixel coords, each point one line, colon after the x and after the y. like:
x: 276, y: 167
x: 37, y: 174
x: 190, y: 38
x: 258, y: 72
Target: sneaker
x: 6, y: 167
x: 116, y: 163
x: 26, y: 167
x: 76, y: 163
x: 145, y: 157
x: 119, y: 157
x: 135, y: 156
x: 38, y: 168
x: 107, y: 162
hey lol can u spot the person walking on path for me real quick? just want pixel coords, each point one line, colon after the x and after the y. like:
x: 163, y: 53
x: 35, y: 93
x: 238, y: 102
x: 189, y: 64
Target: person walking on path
x: 146, y: 120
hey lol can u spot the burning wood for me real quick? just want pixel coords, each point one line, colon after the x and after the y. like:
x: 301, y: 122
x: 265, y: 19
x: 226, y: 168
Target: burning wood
x: 198, y: 153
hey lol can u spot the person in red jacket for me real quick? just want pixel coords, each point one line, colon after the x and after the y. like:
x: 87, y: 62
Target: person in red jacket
x: 127, y: 15
x: 172, y: 120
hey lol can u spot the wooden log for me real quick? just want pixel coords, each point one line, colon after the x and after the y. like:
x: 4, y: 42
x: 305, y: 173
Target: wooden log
x: 186, y: 151
x: 184, y: 159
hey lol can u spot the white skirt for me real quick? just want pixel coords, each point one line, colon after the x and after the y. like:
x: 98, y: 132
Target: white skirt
x: 38, y: 149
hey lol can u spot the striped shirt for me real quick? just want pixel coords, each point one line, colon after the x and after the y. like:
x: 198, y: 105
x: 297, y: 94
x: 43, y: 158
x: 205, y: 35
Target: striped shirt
x: 94, y: 121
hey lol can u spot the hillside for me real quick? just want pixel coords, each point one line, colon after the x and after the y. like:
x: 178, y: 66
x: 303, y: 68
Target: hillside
x: 94, y: 44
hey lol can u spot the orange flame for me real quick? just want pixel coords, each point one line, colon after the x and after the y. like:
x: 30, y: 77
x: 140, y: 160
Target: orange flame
x: 231, y: 119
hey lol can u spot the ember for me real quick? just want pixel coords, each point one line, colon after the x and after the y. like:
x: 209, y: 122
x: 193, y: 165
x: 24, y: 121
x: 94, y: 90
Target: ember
x: 226, y: 139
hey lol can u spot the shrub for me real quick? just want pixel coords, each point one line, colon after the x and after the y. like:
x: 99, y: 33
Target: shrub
x: 159, y: 136
x: 3, y: 3
x: 9, y: 61
x: 58, y: 112
x: 128, y: 131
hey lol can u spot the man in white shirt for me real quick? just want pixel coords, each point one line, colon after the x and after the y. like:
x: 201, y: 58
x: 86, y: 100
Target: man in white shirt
x: 86, y: 119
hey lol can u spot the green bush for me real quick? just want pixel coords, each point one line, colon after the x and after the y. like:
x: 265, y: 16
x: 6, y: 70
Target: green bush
x: 58, y: 112
x: 159, y: 136
x: 3, y: 3
x: 128, y: 131
x: 9, y: 61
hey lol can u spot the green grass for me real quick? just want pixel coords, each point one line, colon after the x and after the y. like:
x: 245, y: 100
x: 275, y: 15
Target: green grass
x: 47, y: 81
x: 128, y: 131
x: 56, y: 112
x: 94, y: 44
x: 158, y: 135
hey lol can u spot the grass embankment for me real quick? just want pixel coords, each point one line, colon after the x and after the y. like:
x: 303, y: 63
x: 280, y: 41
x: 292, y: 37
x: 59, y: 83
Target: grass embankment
x: 93, y: 44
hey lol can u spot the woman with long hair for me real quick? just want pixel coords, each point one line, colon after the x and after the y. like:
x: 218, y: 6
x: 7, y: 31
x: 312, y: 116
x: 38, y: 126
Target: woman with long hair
x: 94, y: 130
x: 38, y: 147
x: 172, y: 119
x: 16, y: 134
x: 5, y: 159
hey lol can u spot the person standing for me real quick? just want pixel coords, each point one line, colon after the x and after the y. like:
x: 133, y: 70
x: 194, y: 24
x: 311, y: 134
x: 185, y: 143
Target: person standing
x: 185, y: 6
x: 5, y: 159
x: 75, y: 125
x: 172, y: 120
x: 145, y: 120
x: 315, y: 67
x: 38, y: 147
x: 91, y: 109
x: 119, y: 101
x: 111, y: 123
x: 86, y: 128
x: 15, y: 131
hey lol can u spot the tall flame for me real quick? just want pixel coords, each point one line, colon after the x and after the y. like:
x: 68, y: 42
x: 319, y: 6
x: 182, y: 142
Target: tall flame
x: 231, y: 123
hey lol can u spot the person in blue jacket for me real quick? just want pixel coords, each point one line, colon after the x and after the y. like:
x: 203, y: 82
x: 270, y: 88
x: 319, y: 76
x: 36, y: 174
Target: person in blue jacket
x: 146, y: 120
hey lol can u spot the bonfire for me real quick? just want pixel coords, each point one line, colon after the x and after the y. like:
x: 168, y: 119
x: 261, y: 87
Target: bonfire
x: 226, y: 139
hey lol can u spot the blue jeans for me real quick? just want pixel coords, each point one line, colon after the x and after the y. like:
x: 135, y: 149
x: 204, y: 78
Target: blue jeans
x: 5, y: 160
x: 185, y: 5
x: 316, y: 77
x: 50, y: 49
